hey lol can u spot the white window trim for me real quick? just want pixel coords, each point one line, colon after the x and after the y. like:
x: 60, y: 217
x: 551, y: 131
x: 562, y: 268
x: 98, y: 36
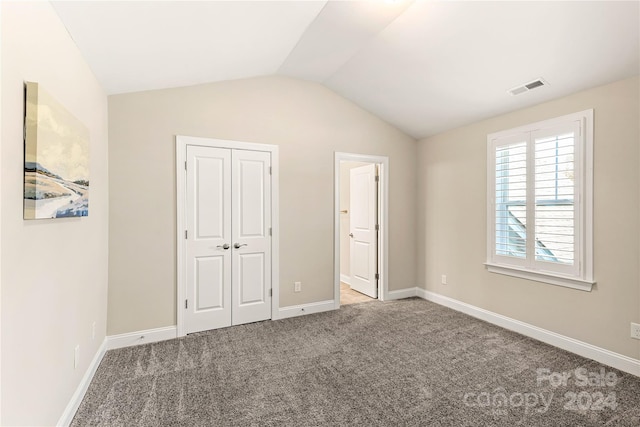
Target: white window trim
x: 584, y: 279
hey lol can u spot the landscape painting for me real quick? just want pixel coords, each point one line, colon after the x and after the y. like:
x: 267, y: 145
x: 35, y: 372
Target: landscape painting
x: 56, y: 160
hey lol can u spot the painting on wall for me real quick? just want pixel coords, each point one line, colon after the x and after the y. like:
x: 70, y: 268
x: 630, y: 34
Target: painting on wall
x: 56, y: 159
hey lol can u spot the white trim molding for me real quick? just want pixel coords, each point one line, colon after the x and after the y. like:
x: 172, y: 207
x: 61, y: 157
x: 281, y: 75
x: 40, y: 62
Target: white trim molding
x: 607, y: 357
x: 568, y: 282
x: 141, y: 337
x: 303, y: 309
x: 345, y: 279
x: 81, y: 390
x: 402, y: 293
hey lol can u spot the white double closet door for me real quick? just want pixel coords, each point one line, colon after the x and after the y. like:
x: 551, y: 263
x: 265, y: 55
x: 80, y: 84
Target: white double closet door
x: 228, y: 248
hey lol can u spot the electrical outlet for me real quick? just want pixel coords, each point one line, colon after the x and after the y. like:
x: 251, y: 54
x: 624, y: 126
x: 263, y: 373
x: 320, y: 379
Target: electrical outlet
x: 76, y: 356
x: 297, y: 286
x: 444, y: 279
x: 635, y: 330
x: 93, y: 331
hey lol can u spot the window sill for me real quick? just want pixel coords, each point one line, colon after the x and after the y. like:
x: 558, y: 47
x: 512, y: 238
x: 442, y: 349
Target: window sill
x: 567, y: 282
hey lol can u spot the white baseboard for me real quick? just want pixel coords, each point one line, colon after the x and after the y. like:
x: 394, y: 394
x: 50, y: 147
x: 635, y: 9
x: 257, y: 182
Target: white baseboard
x: 141, y: 337
x: 400, y: 294
x: 302, y: 309
x: 81, y: 390
x: 607, y: 357
x: 345, y: 279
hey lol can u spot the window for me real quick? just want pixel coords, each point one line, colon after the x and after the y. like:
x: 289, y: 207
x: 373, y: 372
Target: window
x: 540, y: 201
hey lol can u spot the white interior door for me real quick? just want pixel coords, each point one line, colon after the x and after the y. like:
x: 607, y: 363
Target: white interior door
x: 228, y: 242
x: 208, y: 246
x: 363, y: 202
x: 251, y: 256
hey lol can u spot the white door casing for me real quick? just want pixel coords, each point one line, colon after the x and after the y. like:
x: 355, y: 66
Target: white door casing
x: 251, y: 249
x: 227, y: 194
x: 363, y: 202
x: 383, y: 218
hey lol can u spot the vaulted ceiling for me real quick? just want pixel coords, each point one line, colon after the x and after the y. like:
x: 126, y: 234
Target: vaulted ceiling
x: 424, y: 66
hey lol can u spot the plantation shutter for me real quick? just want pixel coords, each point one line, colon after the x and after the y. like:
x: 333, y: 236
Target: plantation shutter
x: 510, y: 214
x: 556, y: 196
x: 535, y: 199
x: 511, y: 187
x: 540, y: 198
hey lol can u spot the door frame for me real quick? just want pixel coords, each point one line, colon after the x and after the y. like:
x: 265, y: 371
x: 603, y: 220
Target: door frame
x: 383, y: 218
x: 181, y: 200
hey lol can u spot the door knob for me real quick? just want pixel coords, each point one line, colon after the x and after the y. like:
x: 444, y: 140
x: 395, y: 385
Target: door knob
x: 350, y: 234
x: 225, y: 246
x: 238, y: 245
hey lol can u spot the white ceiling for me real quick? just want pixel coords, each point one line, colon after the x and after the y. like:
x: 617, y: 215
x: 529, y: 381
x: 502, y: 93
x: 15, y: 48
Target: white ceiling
x: 424, y: 66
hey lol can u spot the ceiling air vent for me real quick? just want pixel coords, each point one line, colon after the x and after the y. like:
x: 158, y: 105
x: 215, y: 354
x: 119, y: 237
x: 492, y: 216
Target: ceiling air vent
x: 527, y: 87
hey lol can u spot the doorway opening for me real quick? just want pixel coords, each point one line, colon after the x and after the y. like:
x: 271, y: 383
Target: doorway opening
x: 360, y: 224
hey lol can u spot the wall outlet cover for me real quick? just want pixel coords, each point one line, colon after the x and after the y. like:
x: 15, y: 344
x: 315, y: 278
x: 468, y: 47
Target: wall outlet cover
x: 635, y: 330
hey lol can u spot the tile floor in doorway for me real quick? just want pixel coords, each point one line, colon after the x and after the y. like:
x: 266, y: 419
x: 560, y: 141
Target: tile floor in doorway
x: 349, y: 296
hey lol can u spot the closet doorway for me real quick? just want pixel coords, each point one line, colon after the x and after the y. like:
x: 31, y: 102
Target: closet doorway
x: 225, y: 232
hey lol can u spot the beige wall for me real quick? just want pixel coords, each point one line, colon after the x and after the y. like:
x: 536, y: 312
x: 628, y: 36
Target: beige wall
x: 54, y: 272
x: 452, y: 223
x: 345, y: 241
x: 307, y: 121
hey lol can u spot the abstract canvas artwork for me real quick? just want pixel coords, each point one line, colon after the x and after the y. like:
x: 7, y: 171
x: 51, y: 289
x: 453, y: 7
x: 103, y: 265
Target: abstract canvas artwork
x: 56, y: 159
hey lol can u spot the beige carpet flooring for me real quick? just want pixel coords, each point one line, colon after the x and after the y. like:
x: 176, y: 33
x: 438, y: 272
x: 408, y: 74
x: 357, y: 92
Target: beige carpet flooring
x: 397, y: 363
